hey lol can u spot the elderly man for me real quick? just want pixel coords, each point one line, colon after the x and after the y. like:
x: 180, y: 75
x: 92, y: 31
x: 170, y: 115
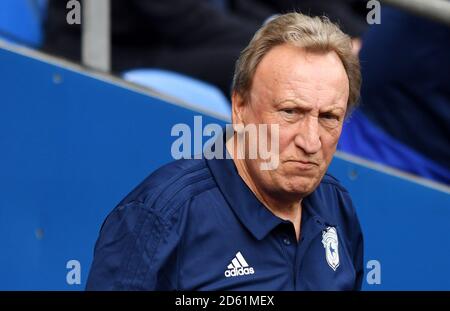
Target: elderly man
x: 227, y: 224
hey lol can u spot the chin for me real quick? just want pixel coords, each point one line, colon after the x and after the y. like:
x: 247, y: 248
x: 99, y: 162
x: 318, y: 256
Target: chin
x: 300, y: 185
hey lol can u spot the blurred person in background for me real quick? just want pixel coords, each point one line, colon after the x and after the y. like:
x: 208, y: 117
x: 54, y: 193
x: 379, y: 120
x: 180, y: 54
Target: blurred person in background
x: 199, y: 38
x: 404, y: 117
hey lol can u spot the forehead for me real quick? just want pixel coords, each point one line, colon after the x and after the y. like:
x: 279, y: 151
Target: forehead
x: 289, y: 72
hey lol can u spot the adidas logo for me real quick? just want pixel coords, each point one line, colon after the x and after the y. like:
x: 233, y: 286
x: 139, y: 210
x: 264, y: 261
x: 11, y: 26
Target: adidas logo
x: 238, y: 266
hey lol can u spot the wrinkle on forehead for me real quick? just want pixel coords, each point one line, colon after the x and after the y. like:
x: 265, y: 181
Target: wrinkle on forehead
x: 289, y: 72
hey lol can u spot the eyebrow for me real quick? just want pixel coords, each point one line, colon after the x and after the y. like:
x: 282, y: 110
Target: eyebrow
x: 332, y: 108
x: 294, y: 101
x: 301, y: 105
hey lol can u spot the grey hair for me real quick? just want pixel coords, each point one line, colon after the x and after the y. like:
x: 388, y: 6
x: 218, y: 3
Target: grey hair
x: 315, y: 34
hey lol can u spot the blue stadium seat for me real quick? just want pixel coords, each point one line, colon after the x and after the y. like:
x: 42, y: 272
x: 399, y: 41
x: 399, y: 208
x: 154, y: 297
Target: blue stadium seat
x: 21, y: 21
x: 204, y: 96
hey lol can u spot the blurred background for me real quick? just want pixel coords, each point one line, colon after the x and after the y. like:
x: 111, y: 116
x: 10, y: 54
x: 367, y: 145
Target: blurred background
x: 89, y: 92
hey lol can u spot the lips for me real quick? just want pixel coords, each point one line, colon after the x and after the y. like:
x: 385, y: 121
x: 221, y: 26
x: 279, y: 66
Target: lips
x: 303, y: 165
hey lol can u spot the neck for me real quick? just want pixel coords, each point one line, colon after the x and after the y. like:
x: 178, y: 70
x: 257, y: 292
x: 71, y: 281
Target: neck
x: 290, y: 210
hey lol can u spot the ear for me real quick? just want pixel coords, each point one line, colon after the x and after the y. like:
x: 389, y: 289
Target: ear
x: 237, y: 107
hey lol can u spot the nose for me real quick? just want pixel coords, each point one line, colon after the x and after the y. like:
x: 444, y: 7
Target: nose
x: 308, y: 137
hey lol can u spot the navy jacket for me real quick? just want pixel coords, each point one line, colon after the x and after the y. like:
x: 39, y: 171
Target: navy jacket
x: 195, y: 225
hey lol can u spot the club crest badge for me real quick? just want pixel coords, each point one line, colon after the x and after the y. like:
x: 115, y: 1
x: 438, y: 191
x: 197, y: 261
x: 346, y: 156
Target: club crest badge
x: 330, y: 243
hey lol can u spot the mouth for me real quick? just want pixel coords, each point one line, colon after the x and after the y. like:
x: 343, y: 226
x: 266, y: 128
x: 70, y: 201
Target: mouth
x: 303, y: 165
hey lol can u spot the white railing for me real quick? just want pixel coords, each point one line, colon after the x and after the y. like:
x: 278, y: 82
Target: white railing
x: 96, y: 35
x: 437, y: 10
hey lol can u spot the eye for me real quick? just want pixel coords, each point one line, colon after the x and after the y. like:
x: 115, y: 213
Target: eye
x: 288, y: 111
x: 329, y: 116
x: 329, y: 120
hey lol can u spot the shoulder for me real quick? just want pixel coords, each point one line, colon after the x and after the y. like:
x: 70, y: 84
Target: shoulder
x: 171, y: 185
x: 336, y: 205
x: 335, y: 201
x: 150, y: 220
x: 333, y: 182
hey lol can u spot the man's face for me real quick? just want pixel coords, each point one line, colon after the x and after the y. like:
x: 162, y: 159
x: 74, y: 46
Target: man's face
x: 306, y: 94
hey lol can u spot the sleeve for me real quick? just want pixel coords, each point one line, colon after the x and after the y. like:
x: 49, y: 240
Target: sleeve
x: 355, y: 236
x: 358, y: 258
x: 136, y: 250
